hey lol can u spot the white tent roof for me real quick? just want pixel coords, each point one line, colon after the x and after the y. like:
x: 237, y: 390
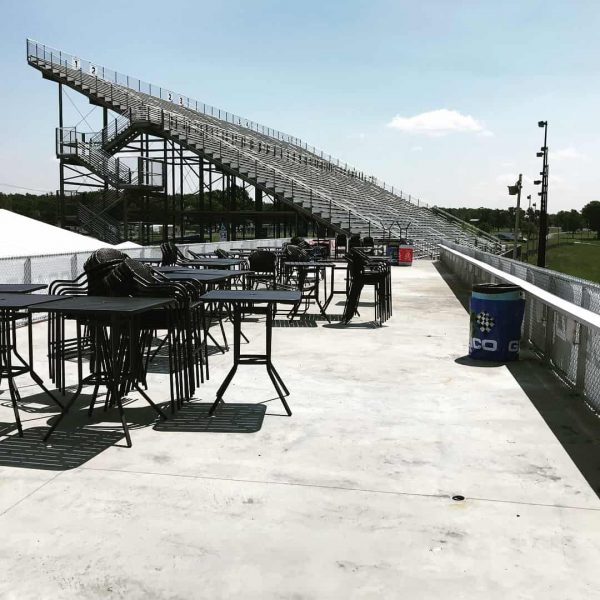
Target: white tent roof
x: 22, y: 236
x: 126, y: 245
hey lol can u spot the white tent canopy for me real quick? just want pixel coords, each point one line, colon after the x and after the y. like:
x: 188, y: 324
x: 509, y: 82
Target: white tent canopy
x: 22, y: 236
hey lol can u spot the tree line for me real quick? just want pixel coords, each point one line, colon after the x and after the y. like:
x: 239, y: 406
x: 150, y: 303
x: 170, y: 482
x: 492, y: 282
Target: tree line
x: 496, y: 219
x: 41, y: 207
x: 45, y: 208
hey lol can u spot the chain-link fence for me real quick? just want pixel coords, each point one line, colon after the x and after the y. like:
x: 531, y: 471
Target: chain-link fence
x: 570, y: 347
x: 50, y: 267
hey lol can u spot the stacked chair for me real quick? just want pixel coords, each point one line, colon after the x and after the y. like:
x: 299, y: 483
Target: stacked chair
x: 298, y: 278
x: 172, y: 255
x: 341, y: 242
x: 181, y: 324
x: 363, y: 270
x: 263, y: 267
x: 109, y: 272
x: 222, y: 253
x: 354, y: 242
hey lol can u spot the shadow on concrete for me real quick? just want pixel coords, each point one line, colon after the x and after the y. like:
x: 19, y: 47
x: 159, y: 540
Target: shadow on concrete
x: 299, y: 322
x: 461, y: 291
x: 77, y: 439
x: 359, y: 325
x: 38, y: 403
x: 66, y: 449
x: 467, y: 361
x: 228, y: 418
x: 306, y: 320
x: 161, y: 363
x: 7, y: 428
x: 574, y: 425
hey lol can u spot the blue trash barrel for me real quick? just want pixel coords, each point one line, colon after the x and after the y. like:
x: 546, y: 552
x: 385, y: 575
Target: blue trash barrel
x: 496, y: 311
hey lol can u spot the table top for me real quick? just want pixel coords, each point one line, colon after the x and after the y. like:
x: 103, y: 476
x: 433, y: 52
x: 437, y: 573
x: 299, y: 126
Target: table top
x: 150, y: 261
x: 105, y: 305
x: 14, y: 301
x: 309, y: 263
x: 200, y: 276
x: 216, y: 262
x: 187, y: 271
x: 21, y: 288
x: 280, y: 296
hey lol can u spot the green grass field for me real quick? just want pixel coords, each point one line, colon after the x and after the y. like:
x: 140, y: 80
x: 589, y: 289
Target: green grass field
x: 581, y: 260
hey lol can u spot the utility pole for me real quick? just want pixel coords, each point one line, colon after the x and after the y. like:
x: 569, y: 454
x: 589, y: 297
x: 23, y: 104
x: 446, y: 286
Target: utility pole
x: 519, y: 185
x: 544, y: 197
x: 515, y: 190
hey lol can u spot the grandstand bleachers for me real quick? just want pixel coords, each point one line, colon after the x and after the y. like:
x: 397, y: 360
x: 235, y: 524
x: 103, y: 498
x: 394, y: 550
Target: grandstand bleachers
x: 318, y: 186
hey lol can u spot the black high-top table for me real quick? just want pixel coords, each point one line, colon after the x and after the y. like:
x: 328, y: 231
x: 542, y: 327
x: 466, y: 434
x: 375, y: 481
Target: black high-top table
x: 12, y: 307
x: 119, y: 367
x: 240, y: 301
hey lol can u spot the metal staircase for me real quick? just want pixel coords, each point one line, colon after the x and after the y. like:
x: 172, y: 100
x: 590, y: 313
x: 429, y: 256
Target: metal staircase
x: 94, y: 217
x: 82, y: 149
x: 342, y: 198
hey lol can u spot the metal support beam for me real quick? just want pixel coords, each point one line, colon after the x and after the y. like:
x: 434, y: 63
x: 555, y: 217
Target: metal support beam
x: 258, y: 205
x: 61, y: 166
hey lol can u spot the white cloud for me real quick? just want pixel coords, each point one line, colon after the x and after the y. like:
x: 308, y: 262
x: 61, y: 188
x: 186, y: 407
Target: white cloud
x: 439, y: 122
x: 417, y: 149
x: 566, y: 154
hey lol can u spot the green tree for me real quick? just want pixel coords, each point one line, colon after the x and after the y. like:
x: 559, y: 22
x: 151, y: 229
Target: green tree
x: 574, y: 220
x: 591, y: 215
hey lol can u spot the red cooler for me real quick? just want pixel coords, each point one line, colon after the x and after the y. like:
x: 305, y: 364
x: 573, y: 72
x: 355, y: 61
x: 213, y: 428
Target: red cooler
x: 405, y: 256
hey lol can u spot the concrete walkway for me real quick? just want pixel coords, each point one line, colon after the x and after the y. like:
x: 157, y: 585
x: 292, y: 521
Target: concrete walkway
x: 351, y: 497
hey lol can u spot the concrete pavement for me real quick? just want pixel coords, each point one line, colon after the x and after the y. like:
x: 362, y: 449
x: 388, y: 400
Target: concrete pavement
x: 351, y: 497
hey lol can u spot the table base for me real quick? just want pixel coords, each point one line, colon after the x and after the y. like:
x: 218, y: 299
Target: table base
x: 252, y: 359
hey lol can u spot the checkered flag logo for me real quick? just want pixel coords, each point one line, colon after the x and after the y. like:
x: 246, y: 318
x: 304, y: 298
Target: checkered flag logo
x: 485, y: 321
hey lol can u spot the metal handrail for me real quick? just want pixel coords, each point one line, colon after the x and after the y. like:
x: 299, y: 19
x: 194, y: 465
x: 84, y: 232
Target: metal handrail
x: 569, y: 309
x: 561, y: 321
x: 480, y: 232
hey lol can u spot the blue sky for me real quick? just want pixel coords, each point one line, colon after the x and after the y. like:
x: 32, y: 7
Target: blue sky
x: 440, y: 99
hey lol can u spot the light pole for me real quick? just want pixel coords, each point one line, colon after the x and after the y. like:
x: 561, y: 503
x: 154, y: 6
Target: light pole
x: 515, y: 190
x: 529, y: 224
x: 544, y: 197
